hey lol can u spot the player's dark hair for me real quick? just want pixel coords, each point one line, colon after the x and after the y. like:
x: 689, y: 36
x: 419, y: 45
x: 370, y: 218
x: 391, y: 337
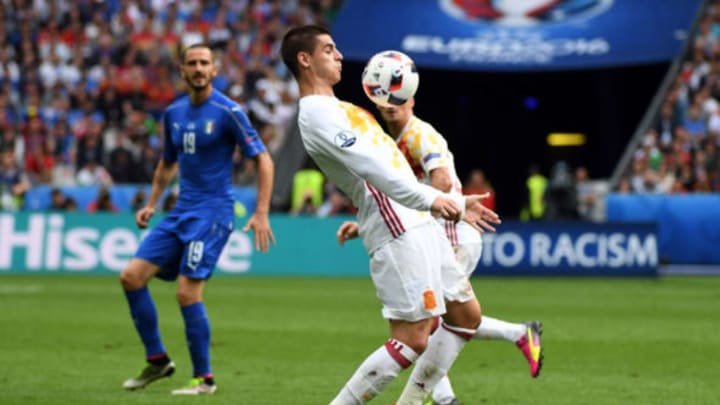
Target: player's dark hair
x: 196, y: 46
x: 299, y: 39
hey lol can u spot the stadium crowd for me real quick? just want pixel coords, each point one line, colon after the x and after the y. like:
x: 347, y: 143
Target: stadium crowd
x: 83, y: 83
x: 679, y: 152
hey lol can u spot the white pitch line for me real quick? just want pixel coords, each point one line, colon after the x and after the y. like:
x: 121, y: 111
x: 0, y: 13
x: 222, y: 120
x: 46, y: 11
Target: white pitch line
x: 20, y: 289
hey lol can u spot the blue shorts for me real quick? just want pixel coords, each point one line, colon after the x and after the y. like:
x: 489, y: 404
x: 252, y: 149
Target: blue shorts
x: 187, y: 243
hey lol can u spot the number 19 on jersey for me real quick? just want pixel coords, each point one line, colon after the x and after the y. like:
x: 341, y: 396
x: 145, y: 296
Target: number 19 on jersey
x: 189, y: 142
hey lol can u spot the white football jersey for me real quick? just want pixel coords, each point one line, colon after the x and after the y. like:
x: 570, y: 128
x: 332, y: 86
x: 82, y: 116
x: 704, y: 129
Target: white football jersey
x: 354, y: 152
x: 425, y: 149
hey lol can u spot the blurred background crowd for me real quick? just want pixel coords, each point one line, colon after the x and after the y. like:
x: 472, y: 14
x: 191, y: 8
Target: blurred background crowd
x: 679, y: 153
x: 83, y: 85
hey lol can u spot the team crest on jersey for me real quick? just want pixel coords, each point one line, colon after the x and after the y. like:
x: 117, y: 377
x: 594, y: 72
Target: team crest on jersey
x: 209, y: 126
x: 345, y: 139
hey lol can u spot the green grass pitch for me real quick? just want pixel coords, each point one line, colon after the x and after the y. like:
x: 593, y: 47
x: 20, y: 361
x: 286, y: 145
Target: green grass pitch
x: 69, y: 340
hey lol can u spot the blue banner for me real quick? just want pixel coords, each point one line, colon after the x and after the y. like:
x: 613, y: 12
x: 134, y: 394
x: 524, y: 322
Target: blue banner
x: 516, y: 34
x: 688, y: 225
x: 570, y: 249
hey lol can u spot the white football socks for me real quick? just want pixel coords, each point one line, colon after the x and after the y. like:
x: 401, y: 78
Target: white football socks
x: 443, y: 392
x: 375, y: 373
x: 443, y: 348
x: 491, y: 328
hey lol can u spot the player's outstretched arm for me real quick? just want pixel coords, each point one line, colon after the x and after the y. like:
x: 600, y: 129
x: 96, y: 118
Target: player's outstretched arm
x: 365, y: 155
x: 348, y: 230
x: 259, y: 221
x: 164, y: 173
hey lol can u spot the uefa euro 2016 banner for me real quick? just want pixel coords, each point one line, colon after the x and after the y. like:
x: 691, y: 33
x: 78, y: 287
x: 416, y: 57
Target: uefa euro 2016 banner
x: 103, y: 243
x: 516, y: 34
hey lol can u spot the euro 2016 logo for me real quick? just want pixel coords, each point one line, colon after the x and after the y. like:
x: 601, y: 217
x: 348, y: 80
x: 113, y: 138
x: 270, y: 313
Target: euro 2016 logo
x: 520, y: 13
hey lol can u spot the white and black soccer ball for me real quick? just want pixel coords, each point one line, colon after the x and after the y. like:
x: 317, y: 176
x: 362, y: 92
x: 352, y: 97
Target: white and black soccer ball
x: 390, y: 78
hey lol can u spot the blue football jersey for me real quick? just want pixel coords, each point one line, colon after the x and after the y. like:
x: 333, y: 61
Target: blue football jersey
x: 202, y: 138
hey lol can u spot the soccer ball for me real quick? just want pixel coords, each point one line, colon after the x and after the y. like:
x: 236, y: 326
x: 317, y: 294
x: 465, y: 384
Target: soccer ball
x: 390, y: 78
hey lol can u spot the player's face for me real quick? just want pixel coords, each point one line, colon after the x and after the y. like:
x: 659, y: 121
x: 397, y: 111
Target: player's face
x: 198, y: 68
x: 397, y: 114
x: 326, y: 60
x: 6, y: 160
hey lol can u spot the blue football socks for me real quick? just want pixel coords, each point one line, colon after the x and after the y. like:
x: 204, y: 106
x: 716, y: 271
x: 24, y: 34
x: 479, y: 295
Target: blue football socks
x: 144, y: 315
x: 197, y: 331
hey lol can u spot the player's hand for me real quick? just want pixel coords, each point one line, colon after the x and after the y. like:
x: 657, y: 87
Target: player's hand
x: 481, y: 218
x: 260, y: 224
x: 348, y: 230
x: 472, y: 201
x: 142, y: 217
x: 446, y: 208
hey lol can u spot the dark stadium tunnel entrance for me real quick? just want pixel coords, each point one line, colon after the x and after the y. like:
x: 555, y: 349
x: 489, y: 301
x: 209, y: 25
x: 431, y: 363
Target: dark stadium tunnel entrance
x: 499, y: 122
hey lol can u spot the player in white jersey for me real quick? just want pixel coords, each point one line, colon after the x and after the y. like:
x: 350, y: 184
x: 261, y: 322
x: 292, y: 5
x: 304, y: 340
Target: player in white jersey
x: 432, y: 162
x: 406, y: 246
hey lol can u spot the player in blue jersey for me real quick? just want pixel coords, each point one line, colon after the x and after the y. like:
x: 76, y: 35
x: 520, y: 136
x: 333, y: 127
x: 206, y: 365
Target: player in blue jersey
x: 201, y: 131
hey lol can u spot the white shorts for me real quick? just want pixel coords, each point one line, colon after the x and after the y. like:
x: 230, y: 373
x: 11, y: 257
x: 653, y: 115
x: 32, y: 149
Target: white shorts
x: 456, y: 281
x: 407, y: 273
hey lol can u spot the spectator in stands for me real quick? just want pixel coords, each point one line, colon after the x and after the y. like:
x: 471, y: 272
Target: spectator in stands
x: 561, y: 195
x: 642, y: 179
x: 307, y: 189
x: 650, y: 150
x: 586, y: 197
x: 80, y: 72
x: 63, y: 140
x: 687, y: 123
x: 712, y: 163
x: 70, y: 204
x: 93, y: 174
x: 14, y: 183
x: 702, y: 182
x: 476, y: 183
x: 89, y: 147
x: 138, y: 200
x: 695, y: 125
x: 64, y: 169
x: 58, y: 201
x: 149, y: 156
x: 624, y: 185
x: 270, y: 136
x: 535, y: 187
x: 40, y: 161
x: 122, y: 164
x: 110, y: 103
x: 305, y: 206
x: 103, y: 202
x: 666, y: 176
